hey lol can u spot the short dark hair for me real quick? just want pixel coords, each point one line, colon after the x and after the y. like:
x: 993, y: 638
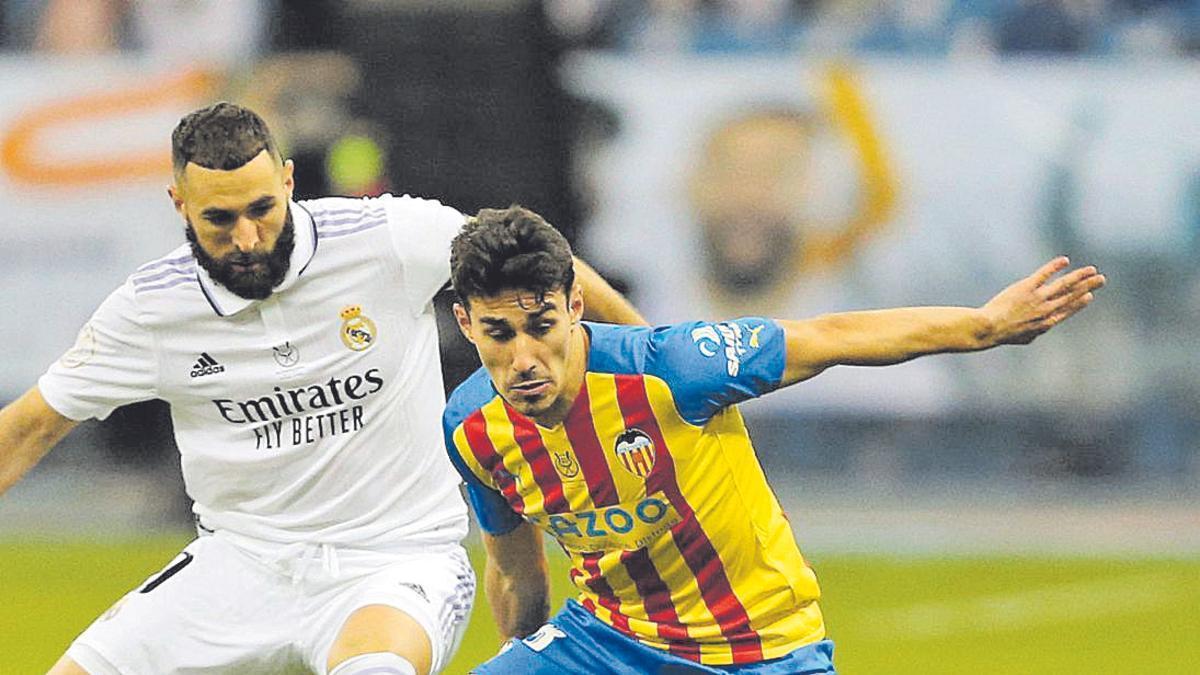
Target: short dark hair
x: 504, y: 249
x: 221, y: 136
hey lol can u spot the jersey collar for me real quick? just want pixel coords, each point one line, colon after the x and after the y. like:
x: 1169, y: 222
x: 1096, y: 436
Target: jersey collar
x: 226, y: 303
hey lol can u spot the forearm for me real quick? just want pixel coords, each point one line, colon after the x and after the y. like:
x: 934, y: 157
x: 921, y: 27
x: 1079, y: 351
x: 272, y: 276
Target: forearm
x: 28, y: 429
x: 520, y: 603
x: 882, y: 337
x: 1016, y: 315
x: 602, y: 302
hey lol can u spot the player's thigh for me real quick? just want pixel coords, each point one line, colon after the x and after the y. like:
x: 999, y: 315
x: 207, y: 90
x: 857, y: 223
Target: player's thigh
x: 211, y: 609
x: 380, y: 628
x: 415, y: 605
x: 67, y: 666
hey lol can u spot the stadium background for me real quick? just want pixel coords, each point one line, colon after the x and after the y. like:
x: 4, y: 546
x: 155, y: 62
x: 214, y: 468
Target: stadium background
x: 1027, y: 510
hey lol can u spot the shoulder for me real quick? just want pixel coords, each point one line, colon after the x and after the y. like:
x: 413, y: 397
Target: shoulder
x: 335, y: 217
x: 419, y: 208
x: 617, y: 349
x: 339, y: 213
x: 164, y: 287
x: 474, y: 393
x: 175, y: 269
x: 705, y: 365
x: 666, y: 350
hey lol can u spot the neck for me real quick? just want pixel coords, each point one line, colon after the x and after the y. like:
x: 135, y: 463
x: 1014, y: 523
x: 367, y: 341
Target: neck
x: 576, y: 372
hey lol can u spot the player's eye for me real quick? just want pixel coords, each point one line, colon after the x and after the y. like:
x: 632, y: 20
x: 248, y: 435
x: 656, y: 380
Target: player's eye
x: 499, y: 334
x: 220, y: 219
x: 542, y: 327
x: 259, y: 211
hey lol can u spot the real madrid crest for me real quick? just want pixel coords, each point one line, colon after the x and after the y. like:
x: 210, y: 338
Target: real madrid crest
x: 636, y: 452
x: 358, y: 331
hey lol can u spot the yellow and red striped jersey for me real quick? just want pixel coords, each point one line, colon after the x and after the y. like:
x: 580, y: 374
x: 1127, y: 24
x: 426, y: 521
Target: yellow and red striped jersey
x: 652, y: 487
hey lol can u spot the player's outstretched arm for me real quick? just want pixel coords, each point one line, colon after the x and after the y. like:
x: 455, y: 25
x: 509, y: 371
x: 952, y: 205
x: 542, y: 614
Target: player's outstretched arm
x: 517, y: 581
x: 602, y: 302
x: 1016, y: 315
x: 29, y: 427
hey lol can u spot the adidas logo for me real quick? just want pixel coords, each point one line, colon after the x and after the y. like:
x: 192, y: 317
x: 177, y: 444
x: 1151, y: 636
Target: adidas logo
x: 415, y: 588
x: 206, y: 365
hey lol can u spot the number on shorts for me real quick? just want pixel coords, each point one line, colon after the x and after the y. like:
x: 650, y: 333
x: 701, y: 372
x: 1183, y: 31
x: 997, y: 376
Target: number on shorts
x: 543, y: 637
x: 181, y: 561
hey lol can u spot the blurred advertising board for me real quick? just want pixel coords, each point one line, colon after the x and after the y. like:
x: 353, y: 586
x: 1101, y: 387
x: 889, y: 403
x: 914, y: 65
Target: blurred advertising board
x: 85, y: 162
x: 729, y: 186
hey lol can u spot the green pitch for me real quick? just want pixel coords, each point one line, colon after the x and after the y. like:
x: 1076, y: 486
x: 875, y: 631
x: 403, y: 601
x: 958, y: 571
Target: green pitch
x: 976, y: 615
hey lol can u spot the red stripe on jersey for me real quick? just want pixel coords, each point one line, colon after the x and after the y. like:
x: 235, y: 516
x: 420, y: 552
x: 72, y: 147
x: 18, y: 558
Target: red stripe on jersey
x: 697, y: 549
x: 656, y: 597
x: 604, y: 593
x: 475, y: 428
x: 581, y: 433
x: 535, y: 453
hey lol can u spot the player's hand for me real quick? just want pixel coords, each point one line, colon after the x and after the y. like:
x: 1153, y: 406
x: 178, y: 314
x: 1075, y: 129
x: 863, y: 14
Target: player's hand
x: 1039, y: 302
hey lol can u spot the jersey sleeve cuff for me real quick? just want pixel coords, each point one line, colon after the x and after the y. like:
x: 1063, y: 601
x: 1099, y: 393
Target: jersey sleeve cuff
x: 64, y: 405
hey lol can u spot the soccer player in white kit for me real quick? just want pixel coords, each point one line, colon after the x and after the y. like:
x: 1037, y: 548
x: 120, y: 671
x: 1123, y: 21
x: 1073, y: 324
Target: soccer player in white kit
x: 296, y: 344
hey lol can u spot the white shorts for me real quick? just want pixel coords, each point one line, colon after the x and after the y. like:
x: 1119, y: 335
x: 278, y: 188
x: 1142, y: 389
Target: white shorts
x: 216, y: 608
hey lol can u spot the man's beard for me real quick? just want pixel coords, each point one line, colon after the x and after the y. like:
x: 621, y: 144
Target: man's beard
x: 256, y: 285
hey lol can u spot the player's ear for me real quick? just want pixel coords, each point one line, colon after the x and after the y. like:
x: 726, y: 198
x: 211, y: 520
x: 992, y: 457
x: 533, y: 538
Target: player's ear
x: 289, y: 177
x: 575, y: 304
x: 463, y: 318
x: 176, y: 198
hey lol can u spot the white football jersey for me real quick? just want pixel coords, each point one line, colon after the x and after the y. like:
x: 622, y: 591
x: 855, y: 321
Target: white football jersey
x: 312, y: 416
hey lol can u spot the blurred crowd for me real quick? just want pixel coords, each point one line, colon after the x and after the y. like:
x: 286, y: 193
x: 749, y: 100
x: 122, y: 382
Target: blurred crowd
x: 228, y: 30
x: 937, y: 28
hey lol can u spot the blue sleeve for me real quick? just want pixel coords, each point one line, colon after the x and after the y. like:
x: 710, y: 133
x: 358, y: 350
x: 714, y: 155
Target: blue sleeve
x: 710, y: 366
x: 492, y: 511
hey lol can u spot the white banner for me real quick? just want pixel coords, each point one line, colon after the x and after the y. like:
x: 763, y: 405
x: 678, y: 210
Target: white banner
x: 789, y: 188
x: 84, y: 168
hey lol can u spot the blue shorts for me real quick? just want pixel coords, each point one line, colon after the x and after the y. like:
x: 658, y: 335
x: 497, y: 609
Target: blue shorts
x: 576, y: 642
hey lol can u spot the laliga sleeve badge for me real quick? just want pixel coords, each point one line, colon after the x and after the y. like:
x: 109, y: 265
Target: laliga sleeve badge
x: 358, y: 332
x: 82, y: 351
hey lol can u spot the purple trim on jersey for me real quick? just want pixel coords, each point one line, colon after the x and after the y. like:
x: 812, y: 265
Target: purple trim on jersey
x: 212, y: 302
x: 328, y: 211
x: 349, y: 218
x: 164, y: 261
x: 141, y: 281
x: 369, y: 225
x: 312, y: 221
x: 353, y: 218
x: 354, y: 206
x: 178, y: 281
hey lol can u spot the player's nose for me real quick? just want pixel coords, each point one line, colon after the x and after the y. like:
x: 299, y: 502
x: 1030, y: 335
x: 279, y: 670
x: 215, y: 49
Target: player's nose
x: 524, y: 359
x: 245, y: 234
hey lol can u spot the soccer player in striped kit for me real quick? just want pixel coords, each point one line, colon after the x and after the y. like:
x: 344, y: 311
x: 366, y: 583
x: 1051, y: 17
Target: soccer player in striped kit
x: 297, y: 346
x: 626, y: 445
